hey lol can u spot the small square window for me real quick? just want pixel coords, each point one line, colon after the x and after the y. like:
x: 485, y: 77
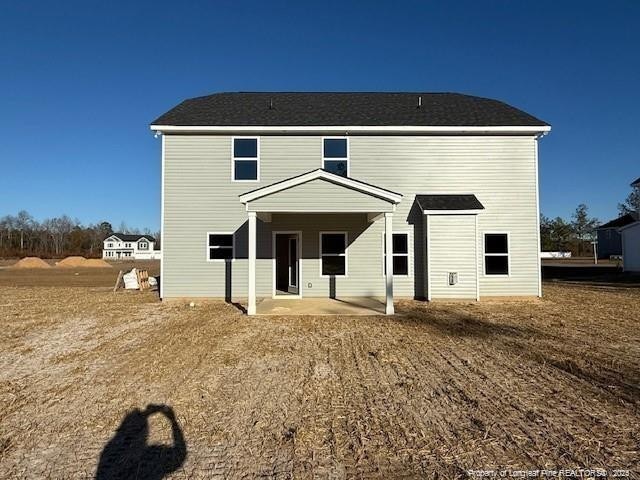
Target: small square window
x: 335, y: 148
x: 333, y: 265
x: 495, y: 243
x: 220, y: 246
x: 333, y: 243
x: 496, y: 265
x: 245, y: 148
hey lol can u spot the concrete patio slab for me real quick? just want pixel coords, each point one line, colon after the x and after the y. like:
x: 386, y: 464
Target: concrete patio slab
x: 320, y: 306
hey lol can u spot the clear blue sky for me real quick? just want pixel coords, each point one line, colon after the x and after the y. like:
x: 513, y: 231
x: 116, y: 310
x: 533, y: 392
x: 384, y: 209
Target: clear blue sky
x: 81, y: 80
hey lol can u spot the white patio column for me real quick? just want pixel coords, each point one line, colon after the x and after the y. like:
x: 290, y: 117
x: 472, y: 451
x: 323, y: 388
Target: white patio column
x: 251, y: 304
x: 388, y: 241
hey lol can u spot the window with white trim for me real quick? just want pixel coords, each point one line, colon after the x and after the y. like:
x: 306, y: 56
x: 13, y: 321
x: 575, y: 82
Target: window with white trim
x: 220, y: 246
x: 143, y: 246
x: 246, y: 153
x: 496, y: 254
x: 110, y: 245
x: 333, y: 254
x: 400, y: 245
x: 335, y: 155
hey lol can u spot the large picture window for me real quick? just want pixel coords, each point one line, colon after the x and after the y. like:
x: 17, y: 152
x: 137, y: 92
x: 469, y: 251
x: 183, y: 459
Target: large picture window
x: 335, y: 155
x: 246, y: 158
x: 333, y: 253
x: 219, y: 246
x: 496, y: 254
x: 400, y: 254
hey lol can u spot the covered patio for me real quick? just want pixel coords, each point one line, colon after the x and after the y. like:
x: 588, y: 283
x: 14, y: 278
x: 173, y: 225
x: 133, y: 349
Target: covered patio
x: 321, y: 306
x: 318, y: 192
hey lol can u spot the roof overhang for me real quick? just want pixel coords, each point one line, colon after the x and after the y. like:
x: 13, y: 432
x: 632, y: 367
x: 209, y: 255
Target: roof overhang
x: 357, y: 185
x: 357, y: 129
x: 631, y: 225
x: 449, y: 204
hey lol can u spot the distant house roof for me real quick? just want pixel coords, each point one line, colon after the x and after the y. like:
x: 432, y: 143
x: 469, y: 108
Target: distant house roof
x: 126, y: 237
x: 345, y: 109
x: 636, y: 182
x: 448, y: 202
x: 621, y: 221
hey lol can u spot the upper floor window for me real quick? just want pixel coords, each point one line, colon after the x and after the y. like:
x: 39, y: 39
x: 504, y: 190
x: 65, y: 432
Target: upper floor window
x: 335, y: 155
x: 110, y: 245
x: 496, y: 254
x: 143, y: 245
x: 246, y: 155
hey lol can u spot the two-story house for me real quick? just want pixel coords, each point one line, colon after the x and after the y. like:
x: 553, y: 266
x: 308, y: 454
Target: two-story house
x: 119, y: 246
x: 298, y: 195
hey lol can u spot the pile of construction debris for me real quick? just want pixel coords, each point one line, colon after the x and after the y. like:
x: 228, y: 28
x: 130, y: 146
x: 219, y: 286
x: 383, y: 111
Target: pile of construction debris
x: 136, y: 279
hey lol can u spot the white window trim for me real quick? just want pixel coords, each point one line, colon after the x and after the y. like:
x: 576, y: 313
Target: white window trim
x: 240, y: 159
x: 408, y: 254
x: 484, y: 254
x: 233, y: 247
x: 345, y: 254
x: 347, y: 158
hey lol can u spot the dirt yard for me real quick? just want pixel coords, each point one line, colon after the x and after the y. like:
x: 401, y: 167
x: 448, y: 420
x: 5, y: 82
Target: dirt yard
x: 123, y: 386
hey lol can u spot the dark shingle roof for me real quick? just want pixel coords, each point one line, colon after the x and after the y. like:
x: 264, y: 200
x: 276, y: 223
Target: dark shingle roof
x: 126, y: 237
x: 636, y: 182
x: 449, y: 202
x: 344, y: 109
x: 622, y: 221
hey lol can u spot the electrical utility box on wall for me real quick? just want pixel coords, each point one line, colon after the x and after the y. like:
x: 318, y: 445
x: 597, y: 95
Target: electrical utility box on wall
x: 453, y: 278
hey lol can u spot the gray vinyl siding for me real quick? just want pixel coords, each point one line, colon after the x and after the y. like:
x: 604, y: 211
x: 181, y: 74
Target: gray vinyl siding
x: 452, y: 248
x: 199, y: 197
x: 320, y: 196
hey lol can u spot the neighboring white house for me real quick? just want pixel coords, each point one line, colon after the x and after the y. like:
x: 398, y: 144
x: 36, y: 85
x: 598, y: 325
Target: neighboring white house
x: 341, y: 195
x: 138, y: 247
x: 631, y: 247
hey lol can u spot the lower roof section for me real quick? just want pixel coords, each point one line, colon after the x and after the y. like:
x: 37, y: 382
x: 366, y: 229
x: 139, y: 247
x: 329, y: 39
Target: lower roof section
x: 449, y: 203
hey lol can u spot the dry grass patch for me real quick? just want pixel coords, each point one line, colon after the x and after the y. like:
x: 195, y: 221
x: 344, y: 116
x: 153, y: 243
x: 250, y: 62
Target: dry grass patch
x: 435, y: 391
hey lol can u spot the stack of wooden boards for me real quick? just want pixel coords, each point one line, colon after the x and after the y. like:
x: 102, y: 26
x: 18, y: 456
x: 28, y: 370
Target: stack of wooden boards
x: 136, y: 279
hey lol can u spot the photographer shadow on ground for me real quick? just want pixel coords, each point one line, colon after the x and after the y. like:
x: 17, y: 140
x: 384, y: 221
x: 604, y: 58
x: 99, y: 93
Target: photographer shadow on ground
x: 127, y: 454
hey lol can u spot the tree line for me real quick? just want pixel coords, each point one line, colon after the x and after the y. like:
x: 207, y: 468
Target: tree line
x: 22, y: 235
x: 575, y: 235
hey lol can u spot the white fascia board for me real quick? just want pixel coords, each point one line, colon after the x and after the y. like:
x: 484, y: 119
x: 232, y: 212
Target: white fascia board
x: 352, y: 128
x: 337, y: 179
x: 476, y: 211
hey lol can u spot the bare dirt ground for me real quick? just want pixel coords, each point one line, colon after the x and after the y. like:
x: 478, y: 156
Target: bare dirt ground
x: 71, y: 277
x: 430, y: 393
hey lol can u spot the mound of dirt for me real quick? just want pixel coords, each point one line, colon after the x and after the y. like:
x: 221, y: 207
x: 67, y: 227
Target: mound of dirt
x: 31, y: 262
x: 72, y: 262
x: 96, y: 263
